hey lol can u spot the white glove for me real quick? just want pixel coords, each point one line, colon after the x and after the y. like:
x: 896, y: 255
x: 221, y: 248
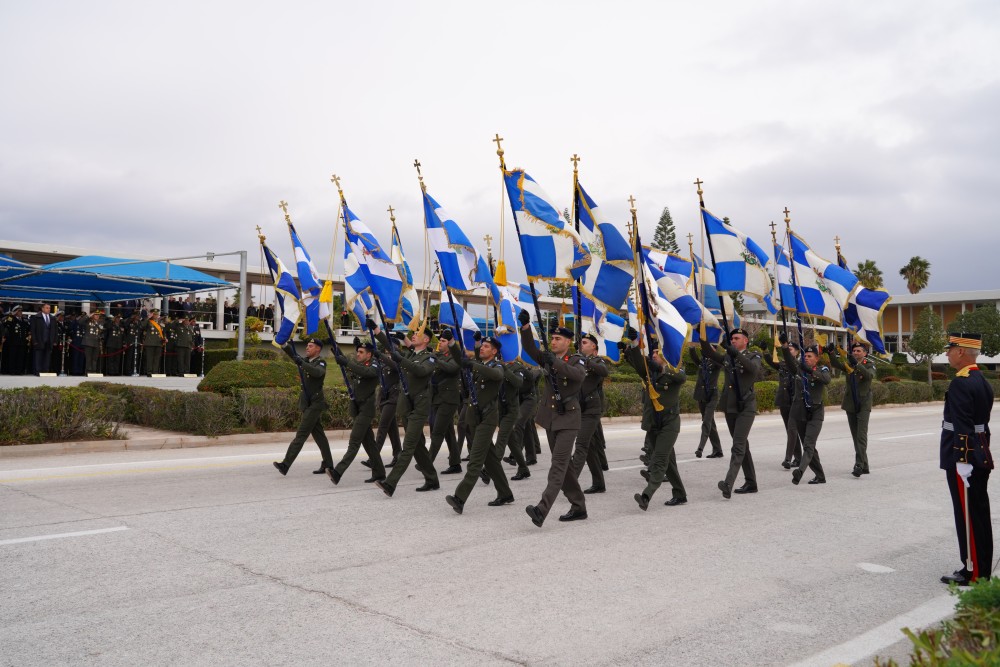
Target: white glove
x: 965, y: 470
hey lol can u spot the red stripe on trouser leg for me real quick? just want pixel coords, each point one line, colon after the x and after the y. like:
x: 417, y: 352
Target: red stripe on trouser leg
x: 970, y: 536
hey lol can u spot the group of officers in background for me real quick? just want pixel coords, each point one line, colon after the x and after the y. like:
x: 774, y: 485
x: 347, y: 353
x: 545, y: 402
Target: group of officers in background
x: 84, y: 343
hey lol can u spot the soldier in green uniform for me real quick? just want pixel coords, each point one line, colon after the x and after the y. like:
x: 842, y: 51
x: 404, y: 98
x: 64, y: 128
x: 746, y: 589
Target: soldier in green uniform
x: 388, y: 398
x: 482, y: 419
x: 706, y: 392
x: 591, y: 409
x: 559, y: 415
x: 522, y: 447
x: 742, y: 368
x: 92, y: 335
x: 152, y: 342
x: 663, y: 426
x: 807, y: 411
x: 363, y: 374
x: 114, y: 344
x: 515, y: 374
x: 857, y: 401
x: 183, y: 342
x: 312, y: 402
x: 783, y: 401
x: 170, y: 330
x: 417, y: 363
x: 447, y: 397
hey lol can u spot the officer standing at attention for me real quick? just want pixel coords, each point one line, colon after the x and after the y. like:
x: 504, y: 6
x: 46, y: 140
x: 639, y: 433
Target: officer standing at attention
x: 591, y: 409
x: 170, y: 344
x: 417, y: 363
x: 312, y: 402
x: 783, y: 401
x: 92, y: 335
x: 114, y: 343
x: 43, y: 337
x: 966, y: 458
x: 16, y: 335
x: 447, y: 397
x: 807, y: 410
x: 482, y: 419
x: 706, y: 392
x: 857, y: 401
x: 152, y: 342
x: 363, y: 375
x: 559, y: 415
x: 742, y: 368
x: 183, y: 342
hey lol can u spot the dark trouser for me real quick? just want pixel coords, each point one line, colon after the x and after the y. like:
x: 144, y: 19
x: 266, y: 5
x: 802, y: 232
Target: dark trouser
x: 739, y: 427
x: 361, y: 435
x: 586, y: 450
x: 93, y: 355
x: 311, y: 424
x: 561, y: 477
x: 483, y: 456
x: 978, y: 499
x: 505, y: 431
x: 183, y: 360
x: 153, y: 354
x: 664, y: 463
x: 793, y: 446
x: 113, y: 363
x: 387, y: 427
x: 809, y: 433
x: 462, y: 431
x: 443, y: 428
x: 858, y: 421
x: 43, y: 358
x: 600, y: 446
x: 414, y: 447
x: 170, y: 356
x: 709, y: 432
x: 518, y: 435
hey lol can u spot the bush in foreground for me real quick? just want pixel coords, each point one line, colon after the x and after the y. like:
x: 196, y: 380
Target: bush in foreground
x: 50, y: 414
x: 229, y: 376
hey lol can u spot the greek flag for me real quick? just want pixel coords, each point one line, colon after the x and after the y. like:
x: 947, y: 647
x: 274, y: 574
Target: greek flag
x: 508, y: 328
x: 822, y: 288
x: 676, y: 267
x: 607, y: 327
x: 376, y: 266
x: 463, y: 269
x: 674, y: 292
x: 316, y: 310
x: 863, y: 315
x: 286, y: 294
x: 784, y: 296
x: 551, y: 248
x: 467, y: 328
x: 410, y: 300
x: 671, y: 329
x: 357, y: 295
x: 739, y: 262
x: 608, y: 278
x: 703, y: 287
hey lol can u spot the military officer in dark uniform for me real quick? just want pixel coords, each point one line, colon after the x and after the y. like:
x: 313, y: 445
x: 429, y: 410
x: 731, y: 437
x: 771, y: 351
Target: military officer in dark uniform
x: 363, y: 374
x: 482, y: 419
x: 93, y: 334
x: 742, y: 368
x: 515, y: 374
x: 706, y: 392
x: 312, y: 402
x: 170, y: 330
x: 183, y: 341
x: 783, y: 401
x: 61, y: 346
x: 152, y: 342
x: 133, y: 329
x: 966, y: 458
x: 43, y: 337
x: 114, y: 344
x: 522, y: 446
x: 857, y: 401
x: 447, y: 397
x: 811, y: 378
x: 559, y: 415
x: 16, y: 334
x: 591, y: 411
x: 417, y: 363
x: 388, y: 398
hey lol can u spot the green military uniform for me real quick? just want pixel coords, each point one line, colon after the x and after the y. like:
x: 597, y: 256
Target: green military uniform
x: 447, y: 398
x: 364, y: 379
x: 133, y: 331
x: 783, y: 401
x: 152, y: 344
x: 414, y: 409
x: 706, y: 392
x: 522, y: 444
x: 661, y: 427
x: 591, y: 409
x: 741, y: 369
x: 92, y: 334
x: 170, y: 346
x: 114, y: 344
x: 312, y: 402
x: 388, y: 398
x: 857, y: 404
x: 183, y: 342
x: 807, y: 412
x: 514, y: 373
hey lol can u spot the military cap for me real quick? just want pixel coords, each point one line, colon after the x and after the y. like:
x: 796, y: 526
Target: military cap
x: 812, y: 348
x: 494, y: 341
x: 739, y: 330
x: 973, y: 341
x: 562, y: 331
x: 858, y: 343
x: 315, y: 341
x: 591, y: 337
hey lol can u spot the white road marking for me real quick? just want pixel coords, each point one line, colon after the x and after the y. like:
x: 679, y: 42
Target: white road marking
x: 56, y: 536
x: 872, y: 567
x: 908, y: 435
x: 883, y: 636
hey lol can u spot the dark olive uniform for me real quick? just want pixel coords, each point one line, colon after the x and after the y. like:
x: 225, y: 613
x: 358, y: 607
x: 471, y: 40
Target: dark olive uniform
x: 133, y: 330
x: 16, y: 332
x: 514, y: 373
x: 857, y: 404
x: 92, y: 335
x: 170, y: 346
x: 783, y: 401
x: 388, y: 397
x: 365, y: 383
x: 447, y: 397
x: 706, y: 392
x: 742, y: 369
x: 183, y: 342
x: 592, y: 409
x: 522, y: 445
x: 808, y: 412
x: 114, y: 343
x: 313, y: 404
x: 152, y: 345
x: 561, y: 423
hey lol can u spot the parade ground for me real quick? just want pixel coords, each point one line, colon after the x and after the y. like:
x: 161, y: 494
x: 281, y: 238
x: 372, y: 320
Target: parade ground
x: 207, y: 556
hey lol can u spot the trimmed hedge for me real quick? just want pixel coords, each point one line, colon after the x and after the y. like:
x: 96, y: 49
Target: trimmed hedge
x: 50, y: 414
x: 229, y: 376
x: 215, y: 356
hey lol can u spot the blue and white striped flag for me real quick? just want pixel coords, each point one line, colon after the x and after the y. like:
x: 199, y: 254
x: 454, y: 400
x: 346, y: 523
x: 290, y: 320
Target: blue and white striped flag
x: 410, y: 301
x: 608, y: 278
x: 508, y: 328
x: 689, y: 307
x: 703, y: 287
x: 357, y: 295
x: 863, y: 315
x: 739, y: 261
x: 784, y: 296
x: 671, y: 329
x: 607, y: 327
x: 467, y: 325
x: 376, y: 265
x: 551, y: 248
x: 823, y: 288
x: 463, y: 269
x: 311, y: 286
x: 286, y: 294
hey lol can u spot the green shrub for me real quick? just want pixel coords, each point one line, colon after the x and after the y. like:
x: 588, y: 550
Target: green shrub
x: 898, y: 358
x: 268, y: 409
x: 891, y: 378
x: 229, y: 376
x: 216, y: 356
x: 51, y: 414
x: 885, y: 370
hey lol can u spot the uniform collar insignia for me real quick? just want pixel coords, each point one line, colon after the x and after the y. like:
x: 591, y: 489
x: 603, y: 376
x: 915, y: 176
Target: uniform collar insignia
x: 964, y: 373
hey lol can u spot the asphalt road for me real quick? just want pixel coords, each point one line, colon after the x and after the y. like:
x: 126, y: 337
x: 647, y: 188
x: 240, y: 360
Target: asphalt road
x: 210, y: 557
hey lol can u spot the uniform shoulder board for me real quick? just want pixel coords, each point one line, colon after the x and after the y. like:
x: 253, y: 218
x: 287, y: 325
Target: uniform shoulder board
x: 431, y: 359
x: 824, y: 368
x: 581, y: 361
x: 321, y: 363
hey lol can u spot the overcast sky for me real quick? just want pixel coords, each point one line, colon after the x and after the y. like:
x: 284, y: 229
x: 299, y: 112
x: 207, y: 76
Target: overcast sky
x: 175, y: 128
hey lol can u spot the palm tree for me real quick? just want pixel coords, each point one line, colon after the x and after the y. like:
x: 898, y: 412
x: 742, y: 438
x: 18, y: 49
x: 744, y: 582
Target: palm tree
x: 917, y: 274
x: 869, y: 274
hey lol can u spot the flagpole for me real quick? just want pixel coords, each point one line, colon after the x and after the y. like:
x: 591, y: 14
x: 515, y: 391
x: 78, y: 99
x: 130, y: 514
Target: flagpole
x: 806, y: 399
x: 777, y: 279
x: 577, y: 321
x: 643, y: 315
x: 292, y: 346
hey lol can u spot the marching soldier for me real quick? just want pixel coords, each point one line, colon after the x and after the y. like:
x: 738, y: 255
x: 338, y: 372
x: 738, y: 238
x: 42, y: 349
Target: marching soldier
x: 152, y: 342
x: 857, y: 401
x: 742, y: 368
x: 966, y: 458
x: 312, y: 402
x: 515, y: 374
x: 591, y: 411
x: 706, y: 392
x: 559, y: 414
x: 807, y: 410
x: 363, y: 374
x: 783, y: 401
x: 447, y: 397
x: 114, y: 345
x: 417, y: 363
x: 522, y: 447
x: 183, y: 341
x: 482, y: 419
x: 92, y: 335
x: 388, y: 398
x: 662, y: 427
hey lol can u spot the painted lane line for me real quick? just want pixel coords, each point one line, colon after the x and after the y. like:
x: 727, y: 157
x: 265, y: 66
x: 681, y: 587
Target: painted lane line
x: 909, y: 435
x: 57, y: 536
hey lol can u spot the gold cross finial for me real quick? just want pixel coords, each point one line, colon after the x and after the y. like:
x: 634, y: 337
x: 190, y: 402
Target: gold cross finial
x: 575, y: 160
x: 690, y: 238
x: 788, y: 220
x: 488, y: 238
x: 259, y: 235
x: 698, y: 182
x: 836, y: 242
x: 336, y: 181
x: 416, y: 163
x: 497, y: 139
x: 391, y: 216
x: 283, y: 205
x: 420, y: 176
x: 774, y: 234
x: 631, y: 201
